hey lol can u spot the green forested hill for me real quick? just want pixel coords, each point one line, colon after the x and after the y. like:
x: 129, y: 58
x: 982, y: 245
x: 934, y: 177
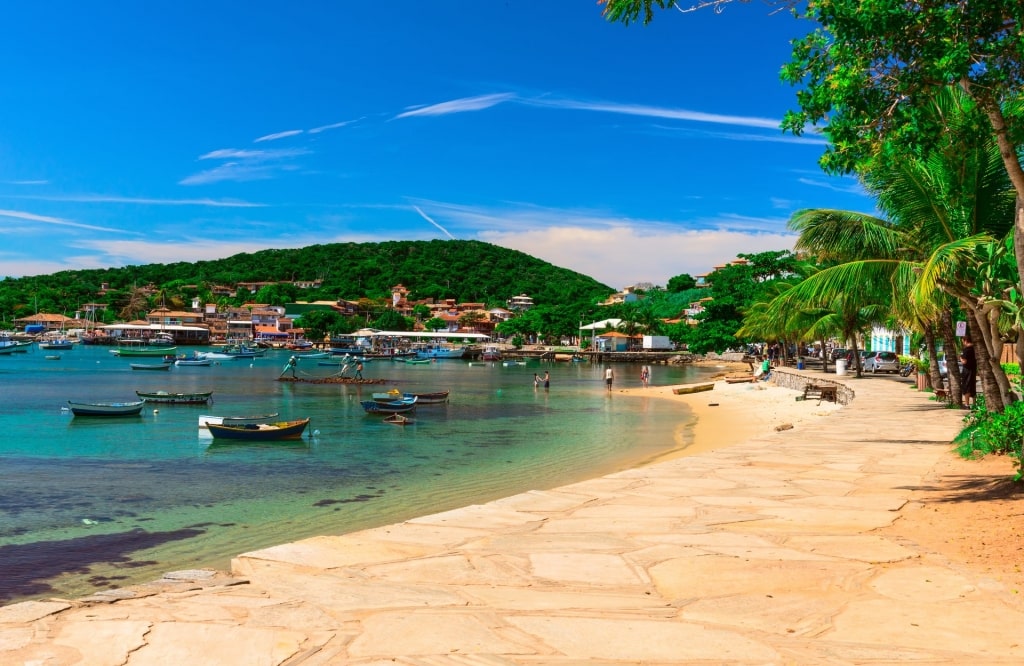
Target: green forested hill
x: 463, y: 270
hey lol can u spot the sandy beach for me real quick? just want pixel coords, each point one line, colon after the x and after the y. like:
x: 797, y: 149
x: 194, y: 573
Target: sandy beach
x: 755, y: 542
x: 734, y: 413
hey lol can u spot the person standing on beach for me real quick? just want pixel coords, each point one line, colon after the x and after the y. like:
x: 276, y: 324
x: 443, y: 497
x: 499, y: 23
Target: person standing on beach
x: 547, y: 380
x: 359, y: 369
x: 609, y: 375
x: 536, y: 380
x: 645, y: 375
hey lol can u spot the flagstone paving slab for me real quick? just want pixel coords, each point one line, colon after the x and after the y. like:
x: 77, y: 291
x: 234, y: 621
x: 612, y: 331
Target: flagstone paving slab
x: 760, y: 553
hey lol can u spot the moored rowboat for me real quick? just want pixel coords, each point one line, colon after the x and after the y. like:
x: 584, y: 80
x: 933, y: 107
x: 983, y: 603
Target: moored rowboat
x: 390, y: 407
x: 422, y: 398
x: 255, y: 419
x: 166, y: 397
x: 259, y: 432
x: 106, y: 408
x: 693, y: 388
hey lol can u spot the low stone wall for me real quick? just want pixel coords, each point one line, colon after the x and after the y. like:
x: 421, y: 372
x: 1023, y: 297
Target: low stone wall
x: 798, y: 380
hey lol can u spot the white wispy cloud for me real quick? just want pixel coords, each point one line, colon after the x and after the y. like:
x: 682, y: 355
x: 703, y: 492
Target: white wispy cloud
x: 615, y: 249
x: 464, y: 104
x: 428, y: 219
x: 100, y: 198
x: 255, y: 155
x: 777, y: 137
x: 26, y: 182
x: 246, y: 165
x: 850, y: 187
x: 45, y: 219
x: 654, y: 112
x: 20, y: 266
x: 324, y: 128
x: 233, y: 171
x: 278, y: 135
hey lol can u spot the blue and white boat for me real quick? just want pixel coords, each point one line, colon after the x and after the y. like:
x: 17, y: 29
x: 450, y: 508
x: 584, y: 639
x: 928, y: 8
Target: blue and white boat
x: 440, y: 351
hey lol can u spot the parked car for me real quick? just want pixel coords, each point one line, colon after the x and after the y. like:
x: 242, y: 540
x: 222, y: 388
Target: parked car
x: 942, y: 365
x: 838, y: 352
x: 881, y: 361
x: 848, y: 357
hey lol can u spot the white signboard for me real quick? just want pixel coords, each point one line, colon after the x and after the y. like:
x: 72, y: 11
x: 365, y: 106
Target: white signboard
x: 961, y: 329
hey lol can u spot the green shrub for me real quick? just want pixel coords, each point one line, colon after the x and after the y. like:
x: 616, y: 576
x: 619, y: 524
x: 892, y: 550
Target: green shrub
x: 993, y: 432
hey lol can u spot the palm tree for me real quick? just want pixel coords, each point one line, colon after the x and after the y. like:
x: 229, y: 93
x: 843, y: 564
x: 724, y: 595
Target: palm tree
x: 943, y: 208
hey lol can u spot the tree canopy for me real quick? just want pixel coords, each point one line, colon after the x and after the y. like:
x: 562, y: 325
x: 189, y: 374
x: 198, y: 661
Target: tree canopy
x: 467, y: 271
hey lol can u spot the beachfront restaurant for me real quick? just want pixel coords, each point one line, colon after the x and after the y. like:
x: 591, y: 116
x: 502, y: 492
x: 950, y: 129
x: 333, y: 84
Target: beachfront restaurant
x: 182, y: 335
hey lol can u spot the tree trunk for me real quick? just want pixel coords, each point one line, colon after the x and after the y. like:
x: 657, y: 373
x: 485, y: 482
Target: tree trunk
x: 948, y: 334
x: 994, y: 400
x: 855, y: 355
x: 1011, y: 162
x: 933, y: 356
x: 824, y: 357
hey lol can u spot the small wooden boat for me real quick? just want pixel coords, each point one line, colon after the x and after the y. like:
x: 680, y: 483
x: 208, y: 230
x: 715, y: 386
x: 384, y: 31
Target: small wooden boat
x: 740, y: 380
x: 166, y: 397
x: 398, y: 419
x: 509, y: 364
x: 254, y: 419
x: 428, y: 398
x: 693, y: 388
x: 416, y: 361
x: 106, y: 408
x: 259, y: 432
x: 57, y: 344
x: 150, y: 366
x: 193, y: 361
x: 391, y: 407
x: 142, y: 350
x: 52, y: 357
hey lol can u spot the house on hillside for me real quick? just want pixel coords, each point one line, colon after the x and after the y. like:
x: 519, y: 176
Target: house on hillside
x: 520, y: 302
x: 613, y: 341
x: 49, y: 322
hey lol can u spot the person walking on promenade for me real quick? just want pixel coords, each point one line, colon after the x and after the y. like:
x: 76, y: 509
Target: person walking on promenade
x: 968, y: 373
x: 609, y: 375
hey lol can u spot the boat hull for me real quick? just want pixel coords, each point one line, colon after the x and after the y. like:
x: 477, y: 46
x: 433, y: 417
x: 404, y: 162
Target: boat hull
x: 143, y: 351
x: 106, y: 408
x: 262, y: 432
x: 150, y: 366
x: 392, y: 407
x: 167, y: 398
x: 431, y: 398
x: 696, y: 388
x: 255, y: 419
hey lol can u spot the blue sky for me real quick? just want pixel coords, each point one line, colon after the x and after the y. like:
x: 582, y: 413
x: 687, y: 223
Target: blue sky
x: 141, y: 132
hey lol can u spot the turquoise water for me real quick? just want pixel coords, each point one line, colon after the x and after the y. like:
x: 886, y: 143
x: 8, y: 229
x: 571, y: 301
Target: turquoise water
x: 94, y: 503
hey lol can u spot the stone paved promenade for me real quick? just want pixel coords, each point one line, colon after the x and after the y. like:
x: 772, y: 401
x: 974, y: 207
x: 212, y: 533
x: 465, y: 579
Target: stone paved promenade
x: 762, y: 553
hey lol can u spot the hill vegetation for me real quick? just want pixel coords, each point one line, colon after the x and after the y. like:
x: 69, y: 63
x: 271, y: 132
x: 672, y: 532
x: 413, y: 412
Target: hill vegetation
x: 467, y: 271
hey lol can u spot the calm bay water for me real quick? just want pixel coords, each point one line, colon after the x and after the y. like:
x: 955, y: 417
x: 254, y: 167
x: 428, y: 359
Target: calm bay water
x: 89, y: 504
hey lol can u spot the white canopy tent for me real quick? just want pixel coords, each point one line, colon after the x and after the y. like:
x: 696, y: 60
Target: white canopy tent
x: 426, y: 335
